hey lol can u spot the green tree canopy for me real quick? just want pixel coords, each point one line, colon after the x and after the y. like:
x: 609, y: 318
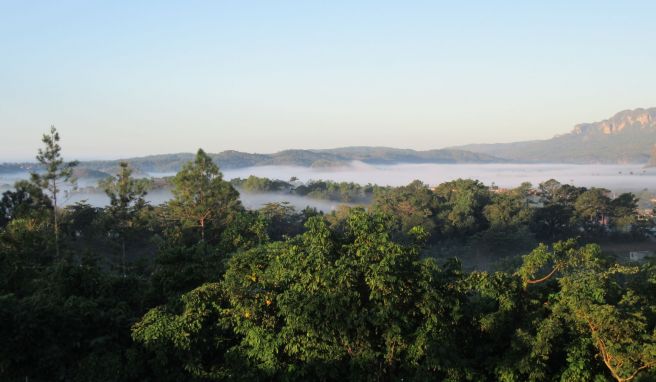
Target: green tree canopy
x: 202, y: 200
x: 410, y: 206
x: 462, y: 205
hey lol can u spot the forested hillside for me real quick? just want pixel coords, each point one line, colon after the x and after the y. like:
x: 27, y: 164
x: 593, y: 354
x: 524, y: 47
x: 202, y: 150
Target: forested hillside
x: 305, y: 158
x: 202, y: 289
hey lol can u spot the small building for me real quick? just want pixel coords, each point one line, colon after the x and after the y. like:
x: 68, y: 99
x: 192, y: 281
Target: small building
x: 639, y: 255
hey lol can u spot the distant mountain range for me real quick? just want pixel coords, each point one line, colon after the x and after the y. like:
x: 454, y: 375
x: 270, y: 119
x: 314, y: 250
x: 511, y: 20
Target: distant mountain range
x: 168, y: 163
x: 304, y: 158
x: 627, y: 137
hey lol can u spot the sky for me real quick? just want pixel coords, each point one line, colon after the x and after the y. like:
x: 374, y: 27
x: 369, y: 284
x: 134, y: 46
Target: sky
x: 133, y: 78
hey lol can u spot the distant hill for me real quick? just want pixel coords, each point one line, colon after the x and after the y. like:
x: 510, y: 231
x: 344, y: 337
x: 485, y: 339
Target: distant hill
x: 386, y: 155
x: 10, y: 168
x: 87, y: 173
x: 627, y: 137
x: 304, y: 158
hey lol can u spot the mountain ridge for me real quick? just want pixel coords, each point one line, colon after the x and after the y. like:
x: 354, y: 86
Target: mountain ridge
x: 628, y: 137
x: 231, y: 159
x: 625, y: 138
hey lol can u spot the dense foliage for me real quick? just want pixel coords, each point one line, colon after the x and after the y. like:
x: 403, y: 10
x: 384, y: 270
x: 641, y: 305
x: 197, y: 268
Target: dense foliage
x: 202, y: 289
x: 345, y: 192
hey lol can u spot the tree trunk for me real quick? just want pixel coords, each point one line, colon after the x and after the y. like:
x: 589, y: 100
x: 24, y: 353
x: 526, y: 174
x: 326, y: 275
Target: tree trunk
x: 123, y: 256
x: 56, y: 231
x: 54, y: 212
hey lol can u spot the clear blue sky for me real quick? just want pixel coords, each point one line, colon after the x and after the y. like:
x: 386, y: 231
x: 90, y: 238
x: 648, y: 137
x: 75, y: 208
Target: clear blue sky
x: 125, y: 78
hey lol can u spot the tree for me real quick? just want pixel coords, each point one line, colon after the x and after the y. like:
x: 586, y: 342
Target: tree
x: 25, y: 236
x: 410, y: 206
x: 57, y: 174
x: 201, y: 198
x: 556, y: 218
x: 553, y: 192
x: 198, y: 334
x: 509, y: 209
x: 323, y: 305
x: 463, y: 201
x: 593, y: 208
x: 26, y: 200
x: 318, y: 306
x: 615, y: 316
x: 509, y: 214
x: 126, y: 199
x: 282, y: 220
x: 623, y: 211
x: 606, y: 307
x: 552, y: 222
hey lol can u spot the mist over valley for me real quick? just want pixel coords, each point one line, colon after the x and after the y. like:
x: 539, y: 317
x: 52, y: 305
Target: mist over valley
x: 617, y: 178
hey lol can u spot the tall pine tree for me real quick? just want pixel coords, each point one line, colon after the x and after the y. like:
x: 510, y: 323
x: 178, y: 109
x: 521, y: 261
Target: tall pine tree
x: 56, y: 175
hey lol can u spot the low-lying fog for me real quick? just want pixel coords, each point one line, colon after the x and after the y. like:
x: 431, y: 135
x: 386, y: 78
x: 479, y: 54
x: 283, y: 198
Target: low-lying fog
x: 249, y: 200
x: 624, y: 177
x: 614, y: 177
